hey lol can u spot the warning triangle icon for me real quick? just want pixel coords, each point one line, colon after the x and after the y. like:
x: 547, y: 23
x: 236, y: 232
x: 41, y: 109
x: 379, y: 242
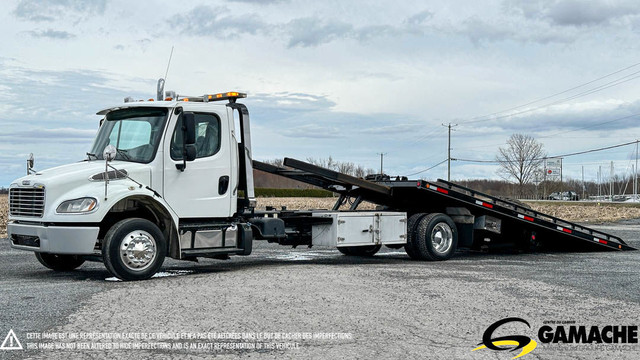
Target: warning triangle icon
x: 11, y: 342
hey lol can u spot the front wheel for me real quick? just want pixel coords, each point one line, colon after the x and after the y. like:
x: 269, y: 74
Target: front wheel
x: 134, y: 249
x: 59, y: 262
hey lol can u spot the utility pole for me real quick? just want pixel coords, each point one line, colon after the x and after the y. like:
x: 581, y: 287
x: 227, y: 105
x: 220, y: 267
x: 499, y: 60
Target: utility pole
x: 582, y: 181
x: 381, y: 161
x: 449, y: 151
x: 561, y: 185
x: 611, y: 183
x: 599, y: 180
x: 635, y: 176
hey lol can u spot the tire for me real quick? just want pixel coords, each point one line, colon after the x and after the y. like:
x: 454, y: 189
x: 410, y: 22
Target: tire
x: 134, y: 249
x: 367, y: 250
x: 58, y: 262
x: 436, y: 237
x: 410, y: 247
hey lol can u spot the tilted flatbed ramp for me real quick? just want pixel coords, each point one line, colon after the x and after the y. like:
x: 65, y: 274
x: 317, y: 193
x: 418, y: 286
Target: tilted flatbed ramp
x: 424, y: 196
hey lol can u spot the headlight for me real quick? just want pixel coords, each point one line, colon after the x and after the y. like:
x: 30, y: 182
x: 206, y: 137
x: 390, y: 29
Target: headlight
x: 78, y: 205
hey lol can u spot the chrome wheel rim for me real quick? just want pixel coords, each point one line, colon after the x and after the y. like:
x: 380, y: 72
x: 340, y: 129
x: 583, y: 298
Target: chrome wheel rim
x: 441, y: 238
x: 137, y: 250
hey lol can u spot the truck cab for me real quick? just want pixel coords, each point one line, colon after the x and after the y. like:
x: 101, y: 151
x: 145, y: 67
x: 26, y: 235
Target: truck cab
x: 164, y: 177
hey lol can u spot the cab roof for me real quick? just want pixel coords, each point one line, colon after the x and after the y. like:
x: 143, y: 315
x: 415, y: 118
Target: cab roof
x: 174, y: 100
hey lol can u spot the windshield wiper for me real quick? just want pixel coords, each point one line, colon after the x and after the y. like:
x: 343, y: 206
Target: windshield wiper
x: 123, y: 153
x: 89, y: 155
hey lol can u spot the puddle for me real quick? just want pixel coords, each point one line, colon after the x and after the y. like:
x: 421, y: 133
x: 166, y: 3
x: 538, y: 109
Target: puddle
x: 160, y: 274
x: 304, y: 256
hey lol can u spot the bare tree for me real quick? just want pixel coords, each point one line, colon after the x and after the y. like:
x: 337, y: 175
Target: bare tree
x: 520, y: 159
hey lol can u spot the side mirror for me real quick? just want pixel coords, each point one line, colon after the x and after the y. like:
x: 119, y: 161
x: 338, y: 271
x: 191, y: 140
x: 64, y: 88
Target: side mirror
x: 189, y: 129
x: 189, y: 140
x: 109, y: 153
x: 30, y: 164
x: 190, y: 152
x: 30, y: 161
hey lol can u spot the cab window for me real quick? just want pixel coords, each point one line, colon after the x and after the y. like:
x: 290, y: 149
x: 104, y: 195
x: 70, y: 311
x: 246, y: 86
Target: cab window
x: 207, y: 136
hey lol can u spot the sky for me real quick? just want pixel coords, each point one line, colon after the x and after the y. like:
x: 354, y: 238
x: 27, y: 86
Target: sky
x: 346, y: 79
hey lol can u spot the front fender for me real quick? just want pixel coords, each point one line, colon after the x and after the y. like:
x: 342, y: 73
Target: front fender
x: 116, y: 192
x: 122, y: 193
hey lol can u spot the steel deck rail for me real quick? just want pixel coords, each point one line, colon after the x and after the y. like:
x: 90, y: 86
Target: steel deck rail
x: 502, y: 207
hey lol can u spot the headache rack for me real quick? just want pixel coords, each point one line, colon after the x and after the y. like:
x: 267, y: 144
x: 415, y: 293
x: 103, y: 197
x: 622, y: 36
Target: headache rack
x: 415, y: 196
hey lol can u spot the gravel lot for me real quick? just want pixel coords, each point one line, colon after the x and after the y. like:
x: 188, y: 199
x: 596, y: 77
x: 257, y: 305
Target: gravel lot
x: 384, y: 307
x: 322, y: 304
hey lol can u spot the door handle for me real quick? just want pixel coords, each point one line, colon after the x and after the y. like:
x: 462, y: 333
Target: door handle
x: 223, y: 185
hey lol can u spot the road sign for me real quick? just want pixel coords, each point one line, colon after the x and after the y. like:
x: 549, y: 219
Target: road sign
x: 553, y: 168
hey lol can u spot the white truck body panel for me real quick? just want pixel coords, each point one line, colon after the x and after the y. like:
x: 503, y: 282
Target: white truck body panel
x: 361, y: 229
x: 193, y: 193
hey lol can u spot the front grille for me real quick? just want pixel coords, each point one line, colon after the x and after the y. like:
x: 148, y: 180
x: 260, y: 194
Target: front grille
x: 26, y: 202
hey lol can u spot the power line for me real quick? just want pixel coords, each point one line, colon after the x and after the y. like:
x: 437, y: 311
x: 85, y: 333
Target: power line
x: 421, y: 136
x: 550, y: 157
x: 590, y: 126
x: 421, y: 171
x: 604, y: 86
x: 558, y: 133
x: 587, y: 92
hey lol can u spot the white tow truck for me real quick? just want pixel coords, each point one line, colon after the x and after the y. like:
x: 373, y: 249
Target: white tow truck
x: 173, y: 176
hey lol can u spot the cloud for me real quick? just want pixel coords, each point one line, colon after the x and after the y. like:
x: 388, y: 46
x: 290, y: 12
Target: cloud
x: 392, y: 129
x: 313, y: 31
x: 478, y: 30
x: 49, y: 134
x: 313, y: 131
x: 577, y: 13
x: 419, y: 18
x: 260, y: 2
x: 52, y: 113
x: 289, y: 101
x: 216, y: 22
x: 51, y: 34
x: 52, y: 10
x: 220, y: 22
x: 598, y: 116
x: 310, y: 31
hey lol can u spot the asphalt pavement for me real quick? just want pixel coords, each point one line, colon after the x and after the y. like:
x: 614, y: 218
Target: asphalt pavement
x: 316, y: 303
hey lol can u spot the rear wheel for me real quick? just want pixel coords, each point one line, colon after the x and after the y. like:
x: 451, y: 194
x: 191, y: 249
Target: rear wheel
x: 59, y: 262
x: 436, y: 237
x: 368, y: 250
x: 410, y: 247
x: 134, y: 249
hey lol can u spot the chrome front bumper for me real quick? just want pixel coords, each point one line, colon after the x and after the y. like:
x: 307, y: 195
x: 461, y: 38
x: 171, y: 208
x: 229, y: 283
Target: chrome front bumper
x: 74, y: 240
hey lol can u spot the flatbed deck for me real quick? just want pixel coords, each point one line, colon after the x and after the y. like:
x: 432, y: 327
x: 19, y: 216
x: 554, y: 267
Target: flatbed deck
x: 420, y: 196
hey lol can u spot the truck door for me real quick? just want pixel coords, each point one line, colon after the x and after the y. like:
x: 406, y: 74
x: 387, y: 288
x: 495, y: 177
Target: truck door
x: 202, y: 189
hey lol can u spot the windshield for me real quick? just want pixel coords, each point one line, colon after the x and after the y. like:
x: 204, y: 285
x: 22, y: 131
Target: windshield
x: 135, y: 132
